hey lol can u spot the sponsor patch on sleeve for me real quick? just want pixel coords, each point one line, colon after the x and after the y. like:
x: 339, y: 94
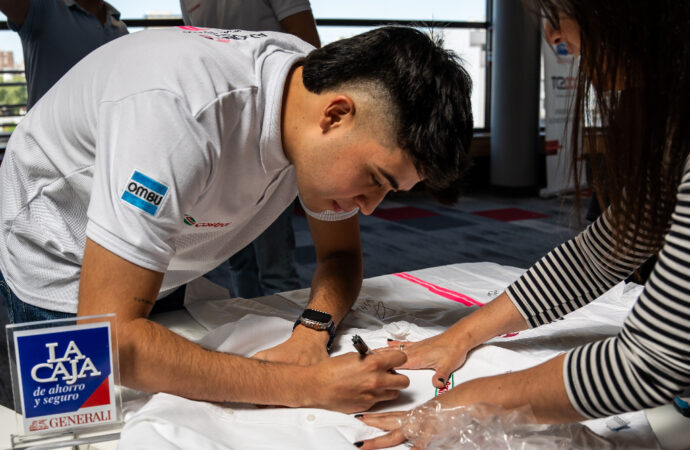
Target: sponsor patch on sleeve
x: 144, y: 193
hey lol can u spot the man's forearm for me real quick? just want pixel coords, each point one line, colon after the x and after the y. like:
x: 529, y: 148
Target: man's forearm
x: 336, y: 283
x: 154, y: 359
x: 15, y: 10
x: 303, y: 26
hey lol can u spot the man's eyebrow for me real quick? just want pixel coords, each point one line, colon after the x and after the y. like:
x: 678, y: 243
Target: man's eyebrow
x: 390, y: 178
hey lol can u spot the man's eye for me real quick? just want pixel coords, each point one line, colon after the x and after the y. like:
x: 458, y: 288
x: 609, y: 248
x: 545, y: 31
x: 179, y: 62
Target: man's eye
x: 375, y: 181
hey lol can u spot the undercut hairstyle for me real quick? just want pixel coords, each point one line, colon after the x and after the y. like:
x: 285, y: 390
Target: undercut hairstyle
x: 429, y: 89
x: 635, y: 65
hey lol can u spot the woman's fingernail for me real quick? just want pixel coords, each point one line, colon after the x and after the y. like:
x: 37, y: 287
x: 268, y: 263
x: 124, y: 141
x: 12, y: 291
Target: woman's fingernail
x: 390, y: 340
x: 359, y: 444
x: 357, y: 416
x: 442, y: 380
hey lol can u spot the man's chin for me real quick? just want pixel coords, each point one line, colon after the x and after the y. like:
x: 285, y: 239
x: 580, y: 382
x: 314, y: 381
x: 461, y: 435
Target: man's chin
x: 337, y: 207
x: 324, y: 206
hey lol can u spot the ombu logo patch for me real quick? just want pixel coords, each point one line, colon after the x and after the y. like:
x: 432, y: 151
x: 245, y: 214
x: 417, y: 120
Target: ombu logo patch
x: 144, y: 193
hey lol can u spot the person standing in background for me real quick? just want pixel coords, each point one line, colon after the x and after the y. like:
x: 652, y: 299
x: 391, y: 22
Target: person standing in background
x: 56, y: 34
x: 289, y: 16
x: 265, y: 266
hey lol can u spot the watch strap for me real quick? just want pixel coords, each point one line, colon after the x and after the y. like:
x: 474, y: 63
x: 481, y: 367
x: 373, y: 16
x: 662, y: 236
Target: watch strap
x: 330, y: 329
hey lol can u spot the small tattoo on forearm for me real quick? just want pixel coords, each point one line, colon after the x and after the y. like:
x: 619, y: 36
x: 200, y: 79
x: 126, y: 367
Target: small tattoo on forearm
x: 143, y: 300
x: 210, y: 350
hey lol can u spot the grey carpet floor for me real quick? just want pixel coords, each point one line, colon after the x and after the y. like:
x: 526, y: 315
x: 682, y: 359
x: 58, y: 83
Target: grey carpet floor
x: 410, y: 232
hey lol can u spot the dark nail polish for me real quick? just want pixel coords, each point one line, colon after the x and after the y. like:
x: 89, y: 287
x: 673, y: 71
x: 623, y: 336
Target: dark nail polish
x: 390, y: 340
x: 358, y: 444
x: 442, y: 380
x: 357, y: 416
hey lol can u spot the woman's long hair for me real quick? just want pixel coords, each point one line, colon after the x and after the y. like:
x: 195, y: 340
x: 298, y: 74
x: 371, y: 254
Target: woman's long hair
x: 635, y: 64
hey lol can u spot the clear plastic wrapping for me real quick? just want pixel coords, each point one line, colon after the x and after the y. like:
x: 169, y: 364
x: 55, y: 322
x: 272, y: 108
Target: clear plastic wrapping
x: 483, y: 426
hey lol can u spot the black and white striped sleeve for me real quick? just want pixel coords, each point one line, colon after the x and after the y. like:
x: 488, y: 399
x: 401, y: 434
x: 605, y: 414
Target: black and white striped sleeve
x: 648, y: 362
x: 574, y: 274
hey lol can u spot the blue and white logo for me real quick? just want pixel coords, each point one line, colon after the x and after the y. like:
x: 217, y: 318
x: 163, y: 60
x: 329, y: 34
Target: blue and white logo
x: 64, y: 370
x: 145, y: 193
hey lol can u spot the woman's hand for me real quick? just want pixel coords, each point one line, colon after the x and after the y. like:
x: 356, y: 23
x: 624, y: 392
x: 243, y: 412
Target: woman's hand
x: 420, y: 425
x: 446, y: 352
x: 443, y: 353
x: 388, y: 421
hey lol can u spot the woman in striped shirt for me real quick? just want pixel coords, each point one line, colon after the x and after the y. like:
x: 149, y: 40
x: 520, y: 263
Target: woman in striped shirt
x: 636, y: 63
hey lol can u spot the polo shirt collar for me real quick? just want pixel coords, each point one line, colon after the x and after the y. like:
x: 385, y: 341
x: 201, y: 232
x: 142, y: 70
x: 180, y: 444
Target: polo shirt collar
x: 274, y: 72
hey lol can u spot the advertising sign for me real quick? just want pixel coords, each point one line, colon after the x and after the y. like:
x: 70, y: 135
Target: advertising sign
x: 560, y: 83
x: 64, y: 375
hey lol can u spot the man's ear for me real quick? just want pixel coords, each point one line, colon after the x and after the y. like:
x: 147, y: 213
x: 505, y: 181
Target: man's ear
x: 339, y: 110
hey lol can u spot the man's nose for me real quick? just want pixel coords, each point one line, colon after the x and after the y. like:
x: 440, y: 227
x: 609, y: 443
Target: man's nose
x: 367, y: 203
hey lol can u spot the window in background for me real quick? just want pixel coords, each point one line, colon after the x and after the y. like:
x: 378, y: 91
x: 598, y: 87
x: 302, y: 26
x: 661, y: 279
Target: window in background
x: 453, y: 10
x: 468, y: 43
x: 148, y: 9
x: 12, y: 84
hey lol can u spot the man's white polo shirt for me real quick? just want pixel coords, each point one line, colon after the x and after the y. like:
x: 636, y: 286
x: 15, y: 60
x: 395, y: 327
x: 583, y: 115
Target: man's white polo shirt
x: 164, y: 147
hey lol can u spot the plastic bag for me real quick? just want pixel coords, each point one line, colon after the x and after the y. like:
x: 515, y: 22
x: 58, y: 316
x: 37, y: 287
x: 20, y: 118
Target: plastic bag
x: 484, y: 426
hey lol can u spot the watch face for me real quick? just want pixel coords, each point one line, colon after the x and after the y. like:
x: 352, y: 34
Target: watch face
x: 316, y: 316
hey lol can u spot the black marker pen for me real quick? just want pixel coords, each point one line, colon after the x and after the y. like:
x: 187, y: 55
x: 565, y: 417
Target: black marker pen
x: 360, y: 345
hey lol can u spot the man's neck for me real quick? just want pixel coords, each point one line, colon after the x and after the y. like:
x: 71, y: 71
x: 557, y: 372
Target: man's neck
x: 292, y: 112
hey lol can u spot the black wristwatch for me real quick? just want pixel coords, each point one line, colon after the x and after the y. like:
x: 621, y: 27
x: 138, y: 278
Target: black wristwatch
x: 319, y: 321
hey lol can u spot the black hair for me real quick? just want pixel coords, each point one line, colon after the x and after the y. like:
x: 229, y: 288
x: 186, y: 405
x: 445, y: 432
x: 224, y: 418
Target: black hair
x: 428, y: 86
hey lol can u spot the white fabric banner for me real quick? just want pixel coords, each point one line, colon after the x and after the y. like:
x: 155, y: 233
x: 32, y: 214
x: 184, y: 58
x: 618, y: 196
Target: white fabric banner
x: 407, y: 306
